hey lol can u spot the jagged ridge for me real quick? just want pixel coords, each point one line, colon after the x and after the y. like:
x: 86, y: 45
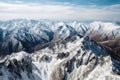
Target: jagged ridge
x: 32, y: 35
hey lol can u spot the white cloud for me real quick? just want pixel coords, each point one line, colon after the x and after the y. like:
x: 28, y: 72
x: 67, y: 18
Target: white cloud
x: 60, y: 12
x: 19, y: 2
x: 113, y: 7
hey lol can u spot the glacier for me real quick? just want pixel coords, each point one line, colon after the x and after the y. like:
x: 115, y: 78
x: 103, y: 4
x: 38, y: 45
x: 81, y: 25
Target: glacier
x: 56, y: 50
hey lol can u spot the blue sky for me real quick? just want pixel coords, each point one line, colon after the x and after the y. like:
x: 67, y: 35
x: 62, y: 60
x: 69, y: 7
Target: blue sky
x: 77, y: 2
x: 102, y: 10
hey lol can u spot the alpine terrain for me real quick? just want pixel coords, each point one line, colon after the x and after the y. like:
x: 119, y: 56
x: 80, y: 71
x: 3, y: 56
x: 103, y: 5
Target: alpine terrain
x: 54, y: 50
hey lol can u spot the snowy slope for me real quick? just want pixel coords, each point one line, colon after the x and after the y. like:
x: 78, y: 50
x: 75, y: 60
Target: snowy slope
x: 46, y: 50
x: 77, y: 61
x: 21, y: 34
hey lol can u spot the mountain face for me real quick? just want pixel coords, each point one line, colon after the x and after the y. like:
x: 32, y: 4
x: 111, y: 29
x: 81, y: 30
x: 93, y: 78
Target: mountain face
x: 32, y: 35
x: 46, y: 50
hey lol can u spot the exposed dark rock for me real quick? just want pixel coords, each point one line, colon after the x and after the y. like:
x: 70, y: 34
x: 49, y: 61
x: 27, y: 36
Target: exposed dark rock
x: 116, y: 66
x: 70, y: 65
x: 46, y: 58
x: 62, y: 55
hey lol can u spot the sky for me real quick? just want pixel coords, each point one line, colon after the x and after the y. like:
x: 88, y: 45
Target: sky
x: 100, y: 10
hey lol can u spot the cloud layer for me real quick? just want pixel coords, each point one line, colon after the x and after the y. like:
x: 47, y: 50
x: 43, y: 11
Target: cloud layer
x: 59, y: 11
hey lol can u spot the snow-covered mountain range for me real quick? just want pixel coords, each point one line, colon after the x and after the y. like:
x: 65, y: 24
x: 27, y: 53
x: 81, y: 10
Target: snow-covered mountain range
x: 18, y: 35
x: 47, y: 50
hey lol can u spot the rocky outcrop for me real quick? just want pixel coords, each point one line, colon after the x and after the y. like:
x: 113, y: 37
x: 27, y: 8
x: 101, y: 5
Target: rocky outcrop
x: 59, y: 51
x: 33, y: 35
